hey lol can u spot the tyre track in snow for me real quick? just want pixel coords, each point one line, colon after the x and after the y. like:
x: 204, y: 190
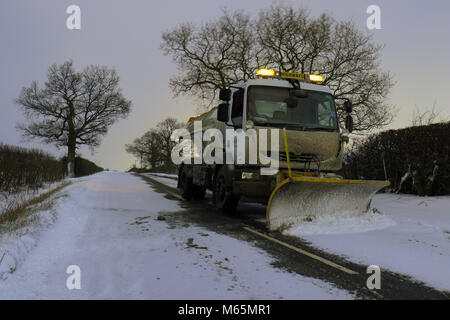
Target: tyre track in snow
x: 204, y: 213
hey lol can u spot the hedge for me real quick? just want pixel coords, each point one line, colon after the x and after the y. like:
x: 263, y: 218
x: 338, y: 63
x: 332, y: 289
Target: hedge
x: 20, y: 167
x: 416, y: 158
x: 83, y: 167
x: 31, y: 168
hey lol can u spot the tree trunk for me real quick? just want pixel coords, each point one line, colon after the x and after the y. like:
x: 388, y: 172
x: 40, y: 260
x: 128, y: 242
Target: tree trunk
x: 71, y: 159
x: 71, y: 144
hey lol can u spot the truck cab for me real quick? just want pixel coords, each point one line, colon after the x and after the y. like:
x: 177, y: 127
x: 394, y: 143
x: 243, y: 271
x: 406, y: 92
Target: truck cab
x: 306, y: 111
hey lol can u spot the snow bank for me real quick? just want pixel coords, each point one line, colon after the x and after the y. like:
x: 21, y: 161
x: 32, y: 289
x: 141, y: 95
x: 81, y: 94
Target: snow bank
x: 411, y: 235
x: 9, y: 200
x: 171, y: 176
x: 21, y: 236
x: 342, y: 225
x: 169, y: 181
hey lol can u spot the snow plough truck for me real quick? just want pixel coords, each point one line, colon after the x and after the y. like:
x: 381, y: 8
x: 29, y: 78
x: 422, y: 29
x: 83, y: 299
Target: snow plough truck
x: 304, y: 143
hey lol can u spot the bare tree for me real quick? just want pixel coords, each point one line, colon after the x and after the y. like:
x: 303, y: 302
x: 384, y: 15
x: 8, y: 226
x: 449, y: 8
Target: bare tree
x: 427, y: 117
x: 231, y: 49
x: 212, y: 56
x: 137, y: 149
x: 155, y: 146
x: 73, y: 108
x: 147, y: 148
x: 165, y: 129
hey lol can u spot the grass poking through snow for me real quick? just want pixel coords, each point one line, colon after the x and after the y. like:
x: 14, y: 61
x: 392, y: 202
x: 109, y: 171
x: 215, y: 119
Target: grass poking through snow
x: 27, y: 207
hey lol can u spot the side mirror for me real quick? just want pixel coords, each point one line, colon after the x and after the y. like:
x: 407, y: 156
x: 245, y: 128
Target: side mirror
x: 225, y: 94
x: 348, y: 106
x: 222, y: 112
x: 349, y: 123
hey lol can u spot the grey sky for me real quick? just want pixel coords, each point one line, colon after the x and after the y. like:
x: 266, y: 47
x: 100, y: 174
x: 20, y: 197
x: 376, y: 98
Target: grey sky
x: 127, y: 35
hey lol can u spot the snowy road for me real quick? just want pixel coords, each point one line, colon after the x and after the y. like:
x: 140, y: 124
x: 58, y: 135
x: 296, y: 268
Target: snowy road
x: 133, y: 238
x: 107, y: 224
x: 405, y: 233
x: 408, y: 239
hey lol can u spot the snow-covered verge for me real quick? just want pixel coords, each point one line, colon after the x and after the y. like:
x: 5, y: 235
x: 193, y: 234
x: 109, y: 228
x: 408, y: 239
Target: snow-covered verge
x: 10, y: 200
x: 170, y: 180
x: 402, y: 233
x: 116, y: 229
x: 165, y: 175
x: 19, y: 237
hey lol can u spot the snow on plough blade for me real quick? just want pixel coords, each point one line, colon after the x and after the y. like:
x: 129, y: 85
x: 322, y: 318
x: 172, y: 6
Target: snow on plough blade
x: 302, y: 198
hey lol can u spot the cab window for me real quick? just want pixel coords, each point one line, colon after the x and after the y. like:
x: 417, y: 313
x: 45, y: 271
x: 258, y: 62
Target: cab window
x: 237, y: 110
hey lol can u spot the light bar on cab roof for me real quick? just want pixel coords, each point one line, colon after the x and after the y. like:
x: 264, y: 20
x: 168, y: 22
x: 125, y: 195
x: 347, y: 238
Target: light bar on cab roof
x: 315, y: 77
x: 265, y: 73
x: 289, y: 75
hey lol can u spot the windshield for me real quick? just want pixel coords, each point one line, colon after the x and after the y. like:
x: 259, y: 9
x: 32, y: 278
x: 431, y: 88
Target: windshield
x: 275, y: 106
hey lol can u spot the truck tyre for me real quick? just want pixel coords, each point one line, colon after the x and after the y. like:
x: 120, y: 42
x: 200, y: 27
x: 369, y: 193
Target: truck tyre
x: 224, y: 198
x: 186, y: 185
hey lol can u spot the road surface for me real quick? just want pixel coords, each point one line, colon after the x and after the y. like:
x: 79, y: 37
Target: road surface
x: 132, y: 237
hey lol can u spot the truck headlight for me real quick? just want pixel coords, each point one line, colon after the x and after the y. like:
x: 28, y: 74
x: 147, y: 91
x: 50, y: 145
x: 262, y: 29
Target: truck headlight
x: 249, y: 175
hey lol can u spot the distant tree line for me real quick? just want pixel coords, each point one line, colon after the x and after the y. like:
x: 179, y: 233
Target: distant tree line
x: 153, y: 149
x: 417, y: 159
x: 31, y: 168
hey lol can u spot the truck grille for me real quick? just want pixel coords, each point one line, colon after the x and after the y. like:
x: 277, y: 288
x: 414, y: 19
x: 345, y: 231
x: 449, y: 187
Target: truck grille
x: 299, y: 157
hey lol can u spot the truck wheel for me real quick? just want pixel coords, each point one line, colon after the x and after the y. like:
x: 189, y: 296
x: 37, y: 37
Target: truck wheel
x: 186, y: 185
x: 224, y: 198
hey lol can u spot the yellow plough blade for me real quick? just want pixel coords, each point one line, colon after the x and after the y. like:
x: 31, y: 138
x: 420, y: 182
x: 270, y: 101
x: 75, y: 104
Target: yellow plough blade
x: 301, y: 198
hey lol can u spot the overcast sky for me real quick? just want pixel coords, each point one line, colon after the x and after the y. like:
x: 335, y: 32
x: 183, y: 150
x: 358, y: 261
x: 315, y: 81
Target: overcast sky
x: 126, y: 35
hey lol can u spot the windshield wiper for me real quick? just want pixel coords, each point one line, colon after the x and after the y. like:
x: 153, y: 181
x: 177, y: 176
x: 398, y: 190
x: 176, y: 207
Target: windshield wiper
x: 302, y: 128
x: 292, y: 126
x: 278, y: 125
x: 320, y: 129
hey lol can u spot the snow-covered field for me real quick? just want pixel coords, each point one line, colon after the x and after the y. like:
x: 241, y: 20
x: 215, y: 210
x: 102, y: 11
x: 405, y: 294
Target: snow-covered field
x: 406, y: 234
x: 107, y: 224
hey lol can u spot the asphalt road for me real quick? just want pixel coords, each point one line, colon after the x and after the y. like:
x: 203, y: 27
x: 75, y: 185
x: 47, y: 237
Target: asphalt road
x: 310, y: 261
